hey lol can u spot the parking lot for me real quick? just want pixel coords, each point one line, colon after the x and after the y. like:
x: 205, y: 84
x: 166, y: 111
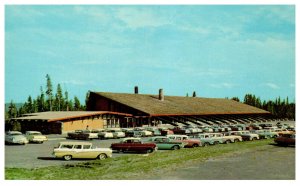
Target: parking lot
x: 40, y: 155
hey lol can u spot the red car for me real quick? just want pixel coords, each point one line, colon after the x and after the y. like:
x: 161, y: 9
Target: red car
x: 285, y: 139
x: 133, y: 145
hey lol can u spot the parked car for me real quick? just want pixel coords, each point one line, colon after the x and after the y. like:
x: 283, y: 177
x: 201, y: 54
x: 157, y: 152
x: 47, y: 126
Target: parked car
x: 104, y: 134
x: 165, y: 131
x: 265, y: 134
x: 264, y: 125
x: 185, y: 138
x: 181, y: 130
x: 286, y: 139
x: 193, y: 129
x: 282, y: 131
x: 138, y: 131
x: 81, y: 135
x: 15, y: 137
x: 35, y: 137
x: 229, y: 137
x: 133, y: 144
x: 254, y: 127
x: 207, y: 139
x: 117, y: 133
x: 206, y: 129
x: 155, y: 131
x: 74, y: 150
x: 165, y: 143
x: 246, y: 135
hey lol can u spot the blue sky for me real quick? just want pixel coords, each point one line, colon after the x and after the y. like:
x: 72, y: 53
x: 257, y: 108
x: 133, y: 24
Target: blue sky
x: 217, y: 51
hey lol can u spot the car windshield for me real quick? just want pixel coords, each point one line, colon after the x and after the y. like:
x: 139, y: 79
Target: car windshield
x: 35, y: 133
x: 15, y: 134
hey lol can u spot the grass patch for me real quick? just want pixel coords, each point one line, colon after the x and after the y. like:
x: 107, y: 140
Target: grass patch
x: 129, y: 167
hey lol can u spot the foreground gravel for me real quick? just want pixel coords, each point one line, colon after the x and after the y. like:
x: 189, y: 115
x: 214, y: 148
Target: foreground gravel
x: 265, y: 163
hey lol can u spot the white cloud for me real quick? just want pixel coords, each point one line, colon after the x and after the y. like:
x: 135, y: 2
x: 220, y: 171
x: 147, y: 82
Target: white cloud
x: 140, y: 17
x: 272, y: 85
x: 223, y: 85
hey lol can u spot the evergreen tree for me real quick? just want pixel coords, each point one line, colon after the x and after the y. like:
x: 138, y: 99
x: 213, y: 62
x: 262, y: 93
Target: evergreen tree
x: 59, y: 97
x: 49, y: 92
x: 77, y: 105
x: 12, y: 110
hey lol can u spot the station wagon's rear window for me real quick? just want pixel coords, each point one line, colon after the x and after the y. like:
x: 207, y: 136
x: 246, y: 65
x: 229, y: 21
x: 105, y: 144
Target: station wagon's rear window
x: 86, y: 146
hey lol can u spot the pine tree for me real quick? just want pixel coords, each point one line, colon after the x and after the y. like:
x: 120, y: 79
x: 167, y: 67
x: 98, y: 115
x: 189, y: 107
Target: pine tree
x: 49, y: 92
x: 77, y: 105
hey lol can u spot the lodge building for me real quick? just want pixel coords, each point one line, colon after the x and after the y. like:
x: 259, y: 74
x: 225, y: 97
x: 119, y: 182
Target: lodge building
x: 106, y: 110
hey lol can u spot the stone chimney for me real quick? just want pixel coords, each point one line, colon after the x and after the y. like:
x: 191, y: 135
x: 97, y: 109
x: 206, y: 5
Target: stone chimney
x: 161, y: 95
x: 136, y: 90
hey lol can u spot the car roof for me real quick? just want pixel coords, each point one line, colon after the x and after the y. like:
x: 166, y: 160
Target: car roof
x: 74, y: 143
x: 14, y: 132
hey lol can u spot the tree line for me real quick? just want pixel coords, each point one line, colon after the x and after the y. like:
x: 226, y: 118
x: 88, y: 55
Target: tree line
x: 48, y: 100
x: 280, y: 108
x: 59, y: 101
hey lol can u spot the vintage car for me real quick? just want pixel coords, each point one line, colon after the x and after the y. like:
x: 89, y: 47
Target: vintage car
x: 155, y: 131
x: 35, y: 137
x: 265, y: 134
x: 181, y: 130
x: 104, y: 134
x: 206, y: 129
x: 229, y: 137
x: 185, y: 138
x: 246, y: 135
x: 165, y: 131
x: 264, y: 125
x: 85, y: 150
x: 193, y: 129
x: 82, y: 135
x: 253, y: 126
x: 15, y: 137
x: 207, y: 139
x: 117, y: 133
x: 165, y: 143
x: 286, y: 139
x: 139, y: 131
x: 133, y: 144
x: 282, y: 131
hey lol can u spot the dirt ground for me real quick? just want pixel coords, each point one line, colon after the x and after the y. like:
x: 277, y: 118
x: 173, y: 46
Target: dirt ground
x: 265, y: 163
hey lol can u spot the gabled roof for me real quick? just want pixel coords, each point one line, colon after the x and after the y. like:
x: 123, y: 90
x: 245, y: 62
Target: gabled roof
x: 179, y: 105
x: 64, y: 115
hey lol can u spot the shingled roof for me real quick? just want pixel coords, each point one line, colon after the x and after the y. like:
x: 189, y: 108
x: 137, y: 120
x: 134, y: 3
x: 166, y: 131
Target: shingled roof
x: 64, y: 115
x: 178, y: 105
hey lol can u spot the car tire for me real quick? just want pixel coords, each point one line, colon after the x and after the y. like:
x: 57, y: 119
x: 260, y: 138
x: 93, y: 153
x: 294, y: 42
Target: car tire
x: 102, y: 156
x: 176, y: 147
x: 227, y: 141
x: 149, y: 151
x: 67, y: 157
x: 205, y: 144
x: 195, y: 145
x: 216, y: 143
x: 236, y: 140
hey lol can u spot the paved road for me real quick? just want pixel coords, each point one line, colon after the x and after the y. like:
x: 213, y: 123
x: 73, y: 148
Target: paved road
x: 267, y: 163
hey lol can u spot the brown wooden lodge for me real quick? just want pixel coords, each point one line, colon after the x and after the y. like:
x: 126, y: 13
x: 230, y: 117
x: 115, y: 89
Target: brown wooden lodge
x: 106, y: 110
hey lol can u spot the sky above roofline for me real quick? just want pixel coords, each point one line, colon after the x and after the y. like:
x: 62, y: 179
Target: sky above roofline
x: 217, y: 51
